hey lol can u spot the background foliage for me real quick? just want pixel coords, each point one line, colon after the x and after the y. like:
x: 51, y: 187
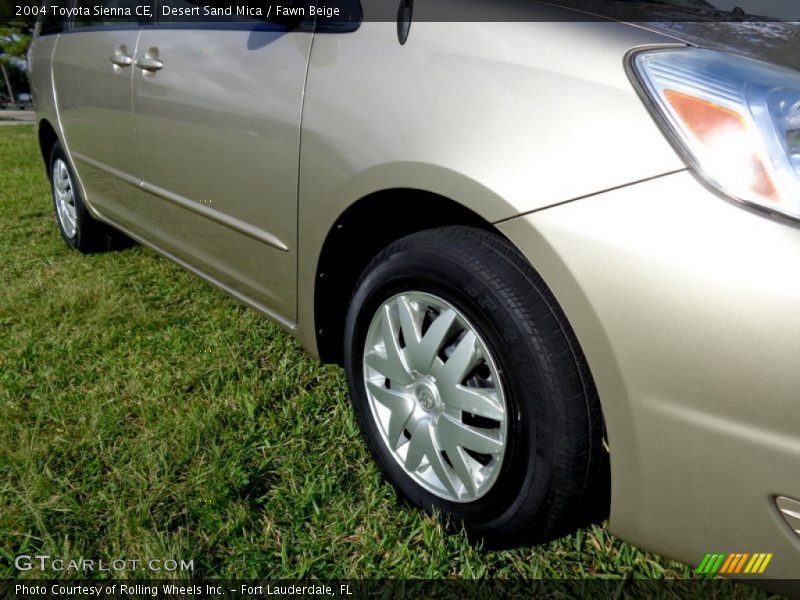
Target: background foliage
x: 15, y: 38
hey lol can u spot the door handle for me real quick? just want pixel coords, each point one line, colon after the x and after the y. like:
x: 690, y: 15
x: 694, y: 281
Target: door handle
x: 120, y: 58
x: 148, y: 63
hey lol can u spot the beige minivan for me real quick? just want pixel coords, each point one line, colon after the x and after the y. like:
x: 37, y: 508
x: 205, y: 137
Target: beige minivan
x: 557, y: 255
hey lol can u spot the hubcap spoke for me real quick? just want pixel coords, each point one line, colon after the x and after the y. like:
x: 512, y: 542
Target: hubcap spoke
x: 477, y: 401
x: 418, y: 445
x: 423, y: 444
x: 435, y: 392
x: 400, y: 406
x: 393, y: 364
x: 455, y: 434
x: 443, y: 471
x: 462, y: 468
x: 423, y: 351
x: 64, y: 198
x: 463, y: 358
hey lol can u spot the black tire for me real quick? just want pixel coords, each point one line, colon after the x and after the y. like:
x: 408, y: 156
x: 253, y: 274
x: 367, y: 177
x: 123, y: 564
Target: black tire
x: 89, y: 235
x: 554, y: 476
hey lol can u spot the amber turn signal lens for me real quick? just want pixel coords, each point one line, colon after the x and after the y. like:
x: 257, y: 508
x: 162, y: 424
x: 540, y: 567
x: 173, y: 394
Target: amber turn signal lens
x: 723, y: 132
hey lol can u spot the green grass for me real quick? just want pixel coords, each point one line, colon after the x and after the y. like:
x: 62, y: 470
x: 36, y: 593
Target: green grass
x: 145, y: 414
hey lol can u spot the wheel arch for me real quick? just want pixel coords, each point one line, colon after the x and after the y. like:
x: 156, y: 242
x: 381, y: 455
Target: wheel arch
x: 401, y: 212
x: 47, y: 138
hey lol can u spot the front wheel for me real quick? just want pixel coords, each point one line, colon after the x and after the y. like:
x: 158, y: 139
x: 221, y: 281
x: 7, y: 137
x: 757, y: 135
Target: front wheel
x: 471, y: 390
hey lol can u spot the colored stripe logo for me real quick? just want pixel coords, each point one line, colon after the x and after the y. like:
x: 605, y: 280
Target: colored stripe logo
x: 732, y: 564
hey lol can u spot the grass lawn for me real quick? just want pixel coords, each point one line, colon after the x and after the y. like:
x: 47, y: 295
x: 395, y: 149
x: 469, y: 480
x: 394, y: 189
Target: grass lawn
x: 145, y: 414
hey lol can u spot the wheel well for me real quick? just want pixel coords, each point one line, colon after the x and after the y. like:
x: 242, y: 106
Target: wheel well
x: 47, y: 137
x: 360, y: 233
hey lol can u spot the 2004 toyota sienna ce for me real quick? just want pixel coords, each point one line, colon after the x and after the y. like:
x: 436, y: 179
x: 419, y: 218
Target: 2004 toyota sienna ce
x: 557, y: 257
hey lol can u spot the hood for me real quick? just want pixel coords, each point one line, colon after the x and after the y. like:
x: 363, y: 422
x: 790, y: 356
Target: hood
x: 705, y: 24
x: 777, y: 43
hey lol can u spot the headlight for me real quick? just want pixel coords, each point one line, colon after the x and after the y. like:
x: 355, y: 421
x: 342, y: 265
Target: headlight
x: 737, y: 121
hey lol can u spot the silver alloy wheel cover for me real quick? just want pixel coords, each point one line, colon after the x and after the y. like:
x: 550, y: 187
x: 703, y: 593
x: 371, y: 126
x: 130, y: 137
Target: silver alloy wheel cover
x: 64, y: 193
x: 420, y: 401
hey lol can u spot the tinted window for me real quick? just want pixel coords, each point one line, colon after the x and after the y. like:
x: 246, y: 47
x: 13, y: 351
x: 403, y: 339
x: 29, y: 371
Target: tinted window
x: 49, y: 21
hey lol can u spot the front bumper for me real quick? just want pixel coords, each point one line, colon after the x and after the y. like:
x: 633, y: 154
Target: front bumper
x: 688, y: 310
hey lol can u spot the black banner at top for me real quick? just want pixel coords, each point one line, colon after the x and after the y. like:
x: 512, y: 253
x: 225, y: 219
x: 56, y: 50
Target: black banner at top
x: 351, y: 13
